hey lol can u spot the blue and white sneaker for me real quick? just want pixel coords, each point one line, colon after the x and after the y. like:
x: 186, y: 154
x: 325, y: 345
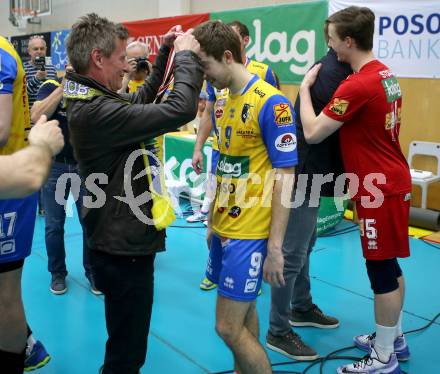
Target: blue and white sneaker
x: 371, y: 364
x: 36, y: 358
x: 401, y: 349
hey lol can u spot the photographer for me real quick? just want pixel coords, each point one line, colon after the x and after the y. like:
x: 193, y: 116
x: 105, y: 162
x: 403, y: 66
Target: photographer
x: 137, y: 55
x: 37, y: 71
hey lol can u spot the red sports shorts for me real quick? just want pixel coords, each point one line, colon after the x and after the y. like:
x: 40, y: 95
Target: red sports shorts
x: 384, y: 230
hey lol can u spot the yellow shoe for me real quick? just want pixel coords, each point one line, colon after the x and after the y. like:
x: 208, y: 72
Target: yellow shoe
x: 207, y: 285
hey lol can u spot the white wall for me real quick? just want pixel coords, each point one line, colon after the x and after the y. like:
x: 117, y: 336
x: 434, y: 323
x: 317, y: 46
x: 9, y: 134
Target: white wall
x: 66, y: 12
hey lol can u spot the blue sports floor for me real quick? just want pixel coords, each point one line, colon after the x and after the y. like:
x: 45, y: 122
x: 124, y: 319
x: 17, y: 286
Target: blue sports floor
x: 182, y: 338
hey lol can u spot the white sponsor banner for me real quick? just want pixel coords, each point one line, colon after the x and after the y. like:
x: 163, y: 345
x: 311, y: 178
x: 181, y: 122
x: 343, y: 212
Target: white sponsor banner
x: 407, y: 34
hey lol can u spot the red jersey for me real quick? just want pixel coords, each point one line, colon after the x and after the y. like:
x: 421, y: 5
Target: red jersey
x: 369, y: 103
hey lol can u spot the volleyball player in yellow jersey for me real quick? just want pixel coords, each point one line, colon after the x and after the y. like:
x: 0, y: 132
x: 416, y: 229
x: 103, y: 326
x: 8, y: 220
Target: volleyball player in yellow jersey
x: 214, y: 106
x: 257, y: 144
x: 17, y: 220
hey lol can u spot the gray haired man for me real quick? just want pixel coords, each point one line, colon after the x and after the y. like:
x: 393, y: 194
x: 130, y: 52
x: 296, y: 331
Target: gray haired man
x: 107, y: 129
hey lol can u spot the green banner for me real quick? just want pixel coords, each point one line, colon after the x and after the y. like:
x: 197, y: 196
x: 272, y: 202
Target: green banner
x: 329, y: 215
x: 178, y: 151
x: 289, y: 38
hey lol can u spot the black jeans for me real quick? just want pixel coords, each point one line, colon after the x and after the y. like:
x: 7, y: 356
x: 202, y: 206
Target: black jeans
x: 127, y: 283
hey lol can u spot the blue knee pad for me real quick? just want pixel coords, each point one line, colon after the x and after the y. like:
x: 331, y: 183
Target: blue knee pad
x: 383, y: 275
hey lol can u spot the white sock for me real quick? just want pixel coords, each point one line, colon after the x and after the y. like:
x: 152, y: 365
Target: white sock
x: 399, y: 325
x: 384, y: 342
x: 30, y: 344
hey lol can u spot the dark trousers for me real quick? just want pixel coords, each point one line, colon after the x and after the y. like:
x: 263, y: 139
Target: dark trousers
x: 127, y: 283
x: 55, y: 218
x: 298, y: 243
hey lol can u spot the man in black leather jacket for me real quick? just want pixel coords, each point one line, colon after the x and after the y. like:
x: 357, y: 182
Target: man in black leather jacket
x: 108, y: 131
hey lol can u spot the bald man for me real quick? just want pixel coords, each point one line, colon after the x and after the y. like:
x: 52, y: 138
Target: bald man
x: 137, y: 55
x: 37, y: 73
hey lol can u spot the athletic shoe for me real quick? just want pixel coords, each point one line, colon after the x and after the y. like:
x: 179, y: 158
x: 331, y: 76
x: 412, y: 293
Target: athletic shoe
x: 37, y: 358
x: 313, y: 317
x: 401, y: 349
x: 58, y: 284
x: 371, y: 364
x: 291, y: 345
x: 93, y: 288
x: 207, y: 285
x: 197, y: 217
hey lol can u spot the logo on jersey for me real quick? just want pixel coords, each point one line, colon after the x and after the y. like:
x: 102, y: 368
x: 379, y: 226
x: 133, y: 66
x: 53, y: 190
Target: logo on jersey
x: 228, y: 134
x: 250, y: 286
x: 372, y: 244
x: 259, y: 92
x: 391, y: 119
x: 229, y: 283
x: 245, y: 113
x: 286, y: 142
x: 339, y: 106
x: 234, y: 166
x: 218, y: 113
x: 392, y: 89
x: 283, y: 114
x: 220, y: 102
x: 246, y: 134
x: 234, y: 212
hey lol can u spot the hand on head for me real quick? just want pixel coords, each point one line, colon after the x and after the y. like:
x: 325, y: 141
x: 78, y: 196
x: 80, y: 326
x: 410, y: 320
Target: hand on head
x: 187, y: 41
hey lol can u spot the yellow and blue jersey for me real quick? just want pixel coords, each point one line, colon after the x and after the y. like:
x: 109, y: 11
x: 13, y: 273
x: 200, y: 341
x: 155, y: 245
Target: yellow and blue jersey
x: 256, y: 133
x: 17, y: 216
x: 263, y: 71
x: 13, y: 82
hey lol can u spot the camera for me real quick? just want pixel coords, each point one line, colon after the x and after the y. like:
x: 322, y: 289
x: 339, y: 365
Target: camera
x: 142, y: 64
x: 40, y: 63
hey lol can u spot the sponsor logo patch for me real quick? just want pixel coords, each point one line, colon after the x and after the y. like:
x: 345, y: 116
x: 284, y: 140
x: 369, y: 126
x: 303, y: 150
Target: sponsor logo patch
x: 283, y: 114
x: 235, y: 166
x: 259, y: 92
x: 391, y: 119
x: 245, y: 133
x: 339, y: 106
x: 250, y: 286
x: 218, y: 113
x: 286, y: 142
x: 234, y: 212
x: 392, y: 89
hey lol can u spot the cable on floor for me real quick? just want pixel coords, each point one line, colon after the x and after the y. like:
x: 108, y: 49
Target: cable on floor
x: 321, y: 361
